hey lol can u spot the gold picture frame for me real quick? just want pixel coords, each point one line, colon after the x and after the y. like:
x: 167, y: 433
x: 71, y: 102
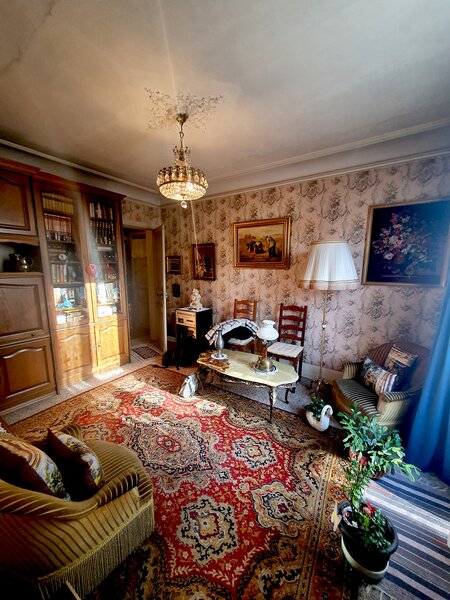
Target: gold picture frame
x: 262, y: 244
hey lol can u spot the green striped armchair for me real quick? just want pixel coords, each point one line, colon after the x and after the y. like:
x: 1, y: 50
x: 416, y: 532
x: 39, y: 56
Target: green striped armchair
x: 390, y: 407
x: 47, y: 541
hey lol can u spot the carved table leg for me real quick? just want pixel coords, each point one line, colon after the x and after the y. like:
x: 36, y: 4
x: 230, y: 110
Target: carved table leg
x: 272, y: 400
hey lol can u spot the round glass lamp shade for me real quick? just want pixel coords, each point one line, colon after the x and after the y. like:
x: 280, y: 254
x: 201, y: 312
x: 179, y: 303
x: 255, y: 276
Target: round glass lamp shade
x: 182, y: 183
x: 267, y: 331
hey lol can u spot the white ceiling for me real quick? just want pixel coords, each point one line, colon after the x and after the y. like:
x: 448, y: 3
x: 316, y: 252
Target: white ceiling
x: 340, y: 82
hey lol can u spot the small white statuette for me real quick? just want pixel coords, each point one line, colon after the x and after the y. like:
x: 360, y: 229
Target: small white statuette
x: 196, y: 300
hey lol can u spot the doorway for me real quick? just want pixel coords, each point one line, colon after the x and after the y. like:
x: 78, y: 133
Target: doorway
x: 145, y: 276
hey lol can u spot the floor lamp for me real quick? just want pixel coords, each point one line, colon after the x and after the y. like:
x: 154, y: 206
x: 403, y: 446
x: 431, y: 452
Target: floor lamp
x: 330, y: 267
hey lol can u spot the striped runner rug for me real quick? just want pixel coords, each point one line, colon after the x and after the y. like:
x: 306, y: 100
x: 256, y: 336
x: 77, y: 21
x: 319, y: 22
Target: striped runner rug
x: 420, y: 511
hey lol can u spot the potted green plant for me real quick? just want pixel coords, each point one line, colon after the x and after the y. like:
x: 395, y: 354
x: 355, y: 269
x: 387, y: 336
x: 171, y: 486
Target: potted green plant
x: 318, y: 413
x: 368, y: 537
x: 373, y: 444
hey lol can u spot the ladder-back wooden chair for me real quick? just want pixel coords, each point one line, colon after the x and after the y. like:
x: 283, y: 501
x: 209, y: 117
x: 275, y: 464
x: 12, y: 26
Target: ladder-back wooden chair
x: 244, y: 309
x: 291, y: 331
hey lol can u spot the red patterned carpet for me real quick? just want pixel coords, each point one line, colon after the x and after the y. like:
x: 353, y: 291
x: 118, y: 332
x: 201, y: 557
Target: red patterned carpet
x: 242, y: 506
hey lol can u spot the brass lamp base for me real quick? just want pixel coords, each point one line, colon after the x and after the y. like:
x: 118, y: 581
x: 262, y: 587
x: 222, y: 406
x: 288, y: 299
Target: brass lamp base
x: 264, y: 364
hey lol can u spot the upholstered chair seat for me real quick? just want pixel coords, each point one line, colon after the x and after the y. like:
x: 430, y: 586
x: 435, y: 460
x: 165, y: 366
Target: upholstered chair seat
x: 48, y: 541
x: 388, y: 406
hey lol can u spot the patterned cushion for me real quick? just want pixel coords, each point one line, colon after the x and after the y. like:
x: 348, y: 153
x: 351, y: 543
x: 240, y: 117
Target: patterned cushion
x: 237, y: 342
x: 287, y: 350
x: 27, y: 466
x: 377, y: 378
x: 80, y: 467
x: 400, y: 363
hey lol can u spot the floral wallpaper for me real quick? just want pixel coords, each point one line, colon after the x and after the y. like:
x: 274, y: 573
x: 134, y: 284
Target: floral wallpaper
x: 327, y: 208
x: 137, y: 214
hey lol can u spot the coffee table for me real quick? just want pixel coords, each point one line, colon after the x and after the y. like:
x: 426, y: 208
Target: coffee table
x: 240, y: 369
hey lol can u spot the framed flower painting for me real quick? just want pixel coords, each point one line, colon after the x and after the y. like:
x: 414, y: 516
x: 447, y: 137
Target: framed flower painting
x: 408, y: 244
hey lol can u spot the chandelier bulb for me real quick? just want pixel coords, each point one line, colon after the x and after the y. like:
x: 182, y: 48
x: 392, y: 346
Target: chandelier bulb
x: 183, y: 204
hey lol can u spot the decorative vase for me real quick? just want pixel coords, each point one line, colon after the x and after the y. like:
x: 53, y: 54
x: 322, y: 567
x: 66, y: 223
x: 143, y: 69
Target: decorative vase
x: 324, y: 422
x: 220, y: 344
x: 373, y: 564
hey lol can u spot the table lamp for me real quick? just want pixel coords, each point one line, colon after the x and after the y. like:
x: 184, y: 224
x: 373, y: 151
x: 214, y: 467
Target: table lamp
x: 267, y: 333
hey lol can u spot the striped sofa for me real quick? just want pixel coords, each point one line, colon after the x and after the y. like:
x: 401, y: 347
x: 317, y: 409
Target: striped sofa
x: 47, y: 541
x: 389, y: 408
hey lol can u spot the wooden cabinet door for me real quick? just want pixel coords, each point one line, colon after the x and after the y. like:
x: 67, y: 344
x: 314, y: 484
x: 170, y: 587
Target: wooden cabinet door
x: 111, y: 341
x: 16, y: 214
x: 26, y: 372
x: 73, y: 354
x: 23, y: 308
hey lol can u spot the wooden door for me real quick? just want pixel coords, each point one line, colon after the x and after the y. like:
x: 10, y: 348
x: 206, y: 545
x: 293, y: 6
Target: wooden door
x: 157, y: 286
x: 111, y: 341
x: 138, y: 286
x: 26, y: 372
x: 73, y: 354
x: 17, y: 213
x: 23, y: 309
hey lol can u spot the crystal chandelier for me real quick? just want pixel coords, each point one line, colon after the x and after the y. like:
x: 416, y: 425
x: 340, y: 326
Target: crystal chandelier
x: 181, y: 181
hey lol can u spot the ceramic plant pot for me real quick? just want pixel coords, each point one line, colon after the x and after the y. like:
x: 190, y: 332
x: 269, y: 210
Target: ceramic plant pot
x: 372, y: 564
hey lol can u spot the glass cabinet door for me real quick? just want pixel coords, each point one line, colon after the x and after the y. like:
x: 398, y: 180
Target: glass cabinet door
x: 104, y: 268
x: 65, y: 259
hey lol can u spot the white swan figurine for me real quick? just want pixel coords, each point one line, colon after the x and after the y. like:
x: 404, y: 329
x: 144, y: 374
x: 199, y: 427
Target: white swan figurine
x: 324, y: 421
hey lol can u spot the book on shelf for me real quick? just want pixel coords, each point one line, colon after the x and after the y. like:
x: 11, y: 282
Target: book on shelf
x: 58, y: 227
x: 98, y: 210
x: 103, y: 232
x: 57, y: 203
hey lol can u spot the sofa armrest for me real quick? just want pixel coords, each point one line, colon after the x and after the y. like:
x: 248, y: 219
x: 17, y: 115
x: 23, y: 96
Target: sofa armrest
x: 352, y: 369
x: 74, y: 430
x: 401, y: 395
x: 17, y: 500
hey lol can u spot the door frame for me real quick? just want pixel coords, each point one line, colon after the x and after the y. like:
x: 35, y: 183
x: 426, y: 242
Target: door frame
x: 127, y: 230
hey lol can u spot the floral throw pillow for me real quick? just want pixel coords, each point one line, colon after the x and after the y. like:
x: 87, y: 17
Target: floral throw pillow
x: 80, y: 467
x: 376, y: 378
x: 28, y: 467
x: 399, y: 362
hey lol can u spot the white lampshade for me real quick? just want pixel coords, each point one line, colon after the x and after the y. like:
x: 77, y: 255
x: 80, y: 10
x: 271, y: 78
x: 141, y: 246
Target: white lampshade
x: 267, y: 331
x: 330, y: 267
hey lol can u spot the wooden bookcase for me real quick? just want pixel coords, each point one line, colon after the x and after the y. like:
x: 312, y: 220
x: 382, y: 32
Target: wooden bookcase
x: 81, y: 241
x: 62, y: 285
x: 26, y: 359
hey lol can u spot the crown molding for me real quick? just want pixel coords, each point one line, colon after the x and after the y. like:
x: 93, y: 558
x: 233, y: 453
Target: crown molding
x: 429, y: 143
x: 75, y: 171
x: 427, y: 140
x: 340, y: 149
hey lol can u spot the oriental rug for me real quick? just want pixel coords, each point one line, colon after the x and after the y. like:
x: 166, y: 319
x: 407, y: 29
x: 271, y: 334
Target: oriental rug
x: 243, y: 506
